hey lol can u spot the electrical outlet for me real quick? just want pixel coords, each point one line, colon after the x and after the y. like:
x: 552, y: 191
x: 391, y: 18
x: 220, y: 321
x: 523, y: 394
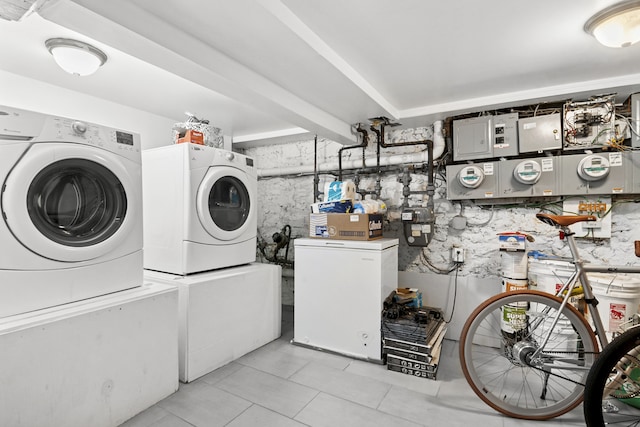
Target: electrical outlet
x: 457, y: 255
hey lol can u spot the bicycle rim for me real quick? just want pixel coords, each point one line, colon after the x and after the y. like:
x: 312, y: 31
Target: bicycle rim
x: 498, y: 341
x: 612, y: 394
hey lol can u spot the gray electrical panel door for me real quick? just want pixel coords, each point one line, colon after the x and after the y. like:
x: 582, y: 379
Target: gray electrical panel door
x: 540, y: 133
x: 505, y: 135
x: 485, y: 137
x: 472, y: 138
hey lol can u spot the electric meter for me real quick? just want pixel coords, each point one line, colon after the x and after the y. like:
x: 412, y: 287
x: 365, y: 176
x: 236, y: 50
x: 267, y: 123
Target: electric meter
x: 593, y: 168
x: 527, y: 172
x: 471, y: 176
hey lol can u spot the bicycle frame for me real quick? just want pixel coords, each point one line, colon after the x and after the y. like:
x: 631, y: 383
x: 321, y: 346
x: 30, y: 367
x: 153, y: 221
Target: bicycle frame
x: 580, y: 275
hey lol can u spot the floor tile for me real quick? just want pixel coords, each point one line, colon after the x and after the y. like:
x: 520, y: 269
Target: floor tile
x: 331, y: 411
x: 268, y: 359
x: 355, y: 388
x: 150, y: 417
x: 380, y: 372
x: 427, y: 410
x: 220, y: 373
x: 203, y: 405
x: 322, y: 357
x: 270, y: 391
x: 258, y: 416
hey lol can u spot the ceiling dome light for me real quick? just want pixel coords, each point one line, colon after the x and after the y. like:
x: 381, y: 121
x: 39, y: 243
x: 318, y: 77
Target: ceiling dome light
x: 617, y: 25
x: 76, y: 57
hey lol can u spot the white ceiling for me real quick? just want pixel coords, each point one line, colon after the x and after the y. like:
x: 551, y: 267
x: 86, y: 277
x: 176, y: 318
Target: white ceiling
x: 256, y: 66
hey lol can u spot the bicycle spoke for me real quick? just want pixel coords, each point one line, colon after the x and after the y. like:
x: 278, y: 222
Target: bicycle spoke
x: 507, y: 369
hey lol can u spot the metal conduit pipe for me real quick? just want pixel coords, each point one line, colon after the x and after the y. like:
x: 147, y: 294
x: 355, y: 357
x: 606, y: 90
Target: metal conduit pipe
x: 391, y: 160
x: 363, y: 145
x: 316, y: 178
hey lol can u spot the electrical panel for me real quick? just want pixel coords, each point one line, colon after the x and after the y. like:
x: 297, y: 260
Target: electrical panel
x: 505, y: 135
x: 589, y: 124
x: 472, y: 181
x: 602, y: 173
x: 540, y: 133
x: 485, y: 137
x: 528, y: 178
x: 471, y: 139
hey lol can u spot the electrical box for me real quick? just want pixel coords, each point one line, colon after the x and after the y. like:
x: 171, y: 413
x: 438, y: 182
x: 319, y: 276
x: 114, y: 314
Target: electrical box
x: 485, y: 137
x: 505, y: 135
x: 472, y: 138
x: 528, y: 178
x: 588, y: 124
x: 601, y: 173
x: 472, y: 181
x: 600, y: 207
x: 540, y: 133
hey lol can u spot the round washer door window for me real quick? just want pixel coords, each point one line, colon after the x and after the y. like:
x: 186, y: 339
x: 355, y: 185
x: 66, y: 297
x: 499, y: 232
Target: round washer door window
x: 224, y: 203
x: 76, y: 202
x: 69, y: 202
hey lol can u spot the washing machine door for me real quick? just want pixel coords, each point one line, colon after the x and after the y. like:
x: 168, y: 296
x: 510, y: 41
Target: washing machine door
x: 68, y: 202
x: 225, y: 203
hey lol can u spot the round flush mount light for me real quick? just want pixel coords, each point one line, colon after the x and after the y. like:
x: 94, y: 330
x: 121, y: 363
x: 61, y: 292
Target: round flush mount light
x: 617, y: 25
x: 76, y: 57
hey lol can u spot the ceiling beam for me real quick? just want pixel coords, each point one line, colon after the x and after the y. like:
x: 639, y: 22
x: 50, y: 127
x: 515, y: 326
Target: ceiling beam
x: 126, y: 27
x: 295, y: 24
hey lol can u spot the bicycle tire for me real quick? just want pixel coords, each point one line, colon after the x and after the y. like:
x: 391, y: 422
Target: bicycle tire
x: 495, y: 361
x: 620, y: 356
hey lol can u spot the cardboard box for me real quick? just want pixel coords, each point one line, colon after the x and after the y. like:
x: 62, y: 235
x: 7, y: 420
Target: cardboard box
x: 192, y: 136
x: 345, y: 226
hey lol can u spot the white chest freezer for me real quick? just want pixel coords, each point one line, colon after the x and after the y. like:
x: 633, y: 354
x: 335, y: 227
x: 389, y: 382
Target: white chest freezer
x: 339, y: 289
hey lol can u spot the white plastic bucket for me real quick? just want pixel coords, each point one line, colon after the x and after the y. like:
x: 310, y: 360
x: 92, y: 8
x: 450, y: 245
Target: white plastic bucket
x: 513, y: 264
x: 548, y: 275
x: 618, y: 296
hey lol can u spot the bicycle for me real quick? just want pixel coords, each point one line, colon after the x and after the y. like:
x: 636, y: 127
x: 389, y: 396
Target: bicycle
x: 527, y: 353
x: 612, y: 389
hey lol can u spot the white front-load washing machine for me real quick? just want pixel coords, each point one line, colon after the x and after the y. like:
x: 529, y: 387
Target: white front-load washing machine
x: 200, y: 210
x: 71, y: 204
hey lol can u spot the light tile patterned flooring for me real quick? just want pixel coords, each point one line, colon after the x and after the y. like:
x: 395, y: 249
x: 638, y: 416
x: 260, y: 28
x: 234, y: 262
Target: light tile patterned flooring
x: 281, y: 384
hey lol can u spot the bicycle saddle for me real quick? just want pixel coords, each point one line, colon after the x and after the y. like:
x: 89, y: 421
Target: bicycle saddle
x: 563, y: 220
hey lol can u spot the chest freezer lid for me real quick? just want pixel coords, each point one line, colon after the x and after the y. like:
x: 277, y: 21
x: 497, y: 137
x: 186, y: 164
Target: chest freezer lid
x: 377, y: 244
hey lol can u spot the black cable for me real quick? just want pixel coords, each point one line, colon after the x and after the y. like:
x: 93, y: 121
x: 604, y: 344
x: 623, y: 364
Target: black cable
x: 455, y: 295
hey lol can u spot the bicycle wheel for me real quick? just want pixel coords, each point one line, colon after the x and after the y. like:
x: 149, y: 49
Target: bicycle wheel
x: 612, y: 393
x: 502, y: 358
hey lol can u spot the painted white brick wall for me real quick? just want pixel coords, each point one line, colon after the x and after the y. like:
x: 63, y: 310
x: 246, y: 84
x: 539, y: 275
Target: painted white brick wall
x: 285, y: 200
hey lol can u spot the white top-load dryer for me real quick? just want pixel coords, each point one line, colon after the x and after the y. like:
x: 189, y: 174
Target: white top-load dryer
x: 200, y: 210
x: 71, y: 225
